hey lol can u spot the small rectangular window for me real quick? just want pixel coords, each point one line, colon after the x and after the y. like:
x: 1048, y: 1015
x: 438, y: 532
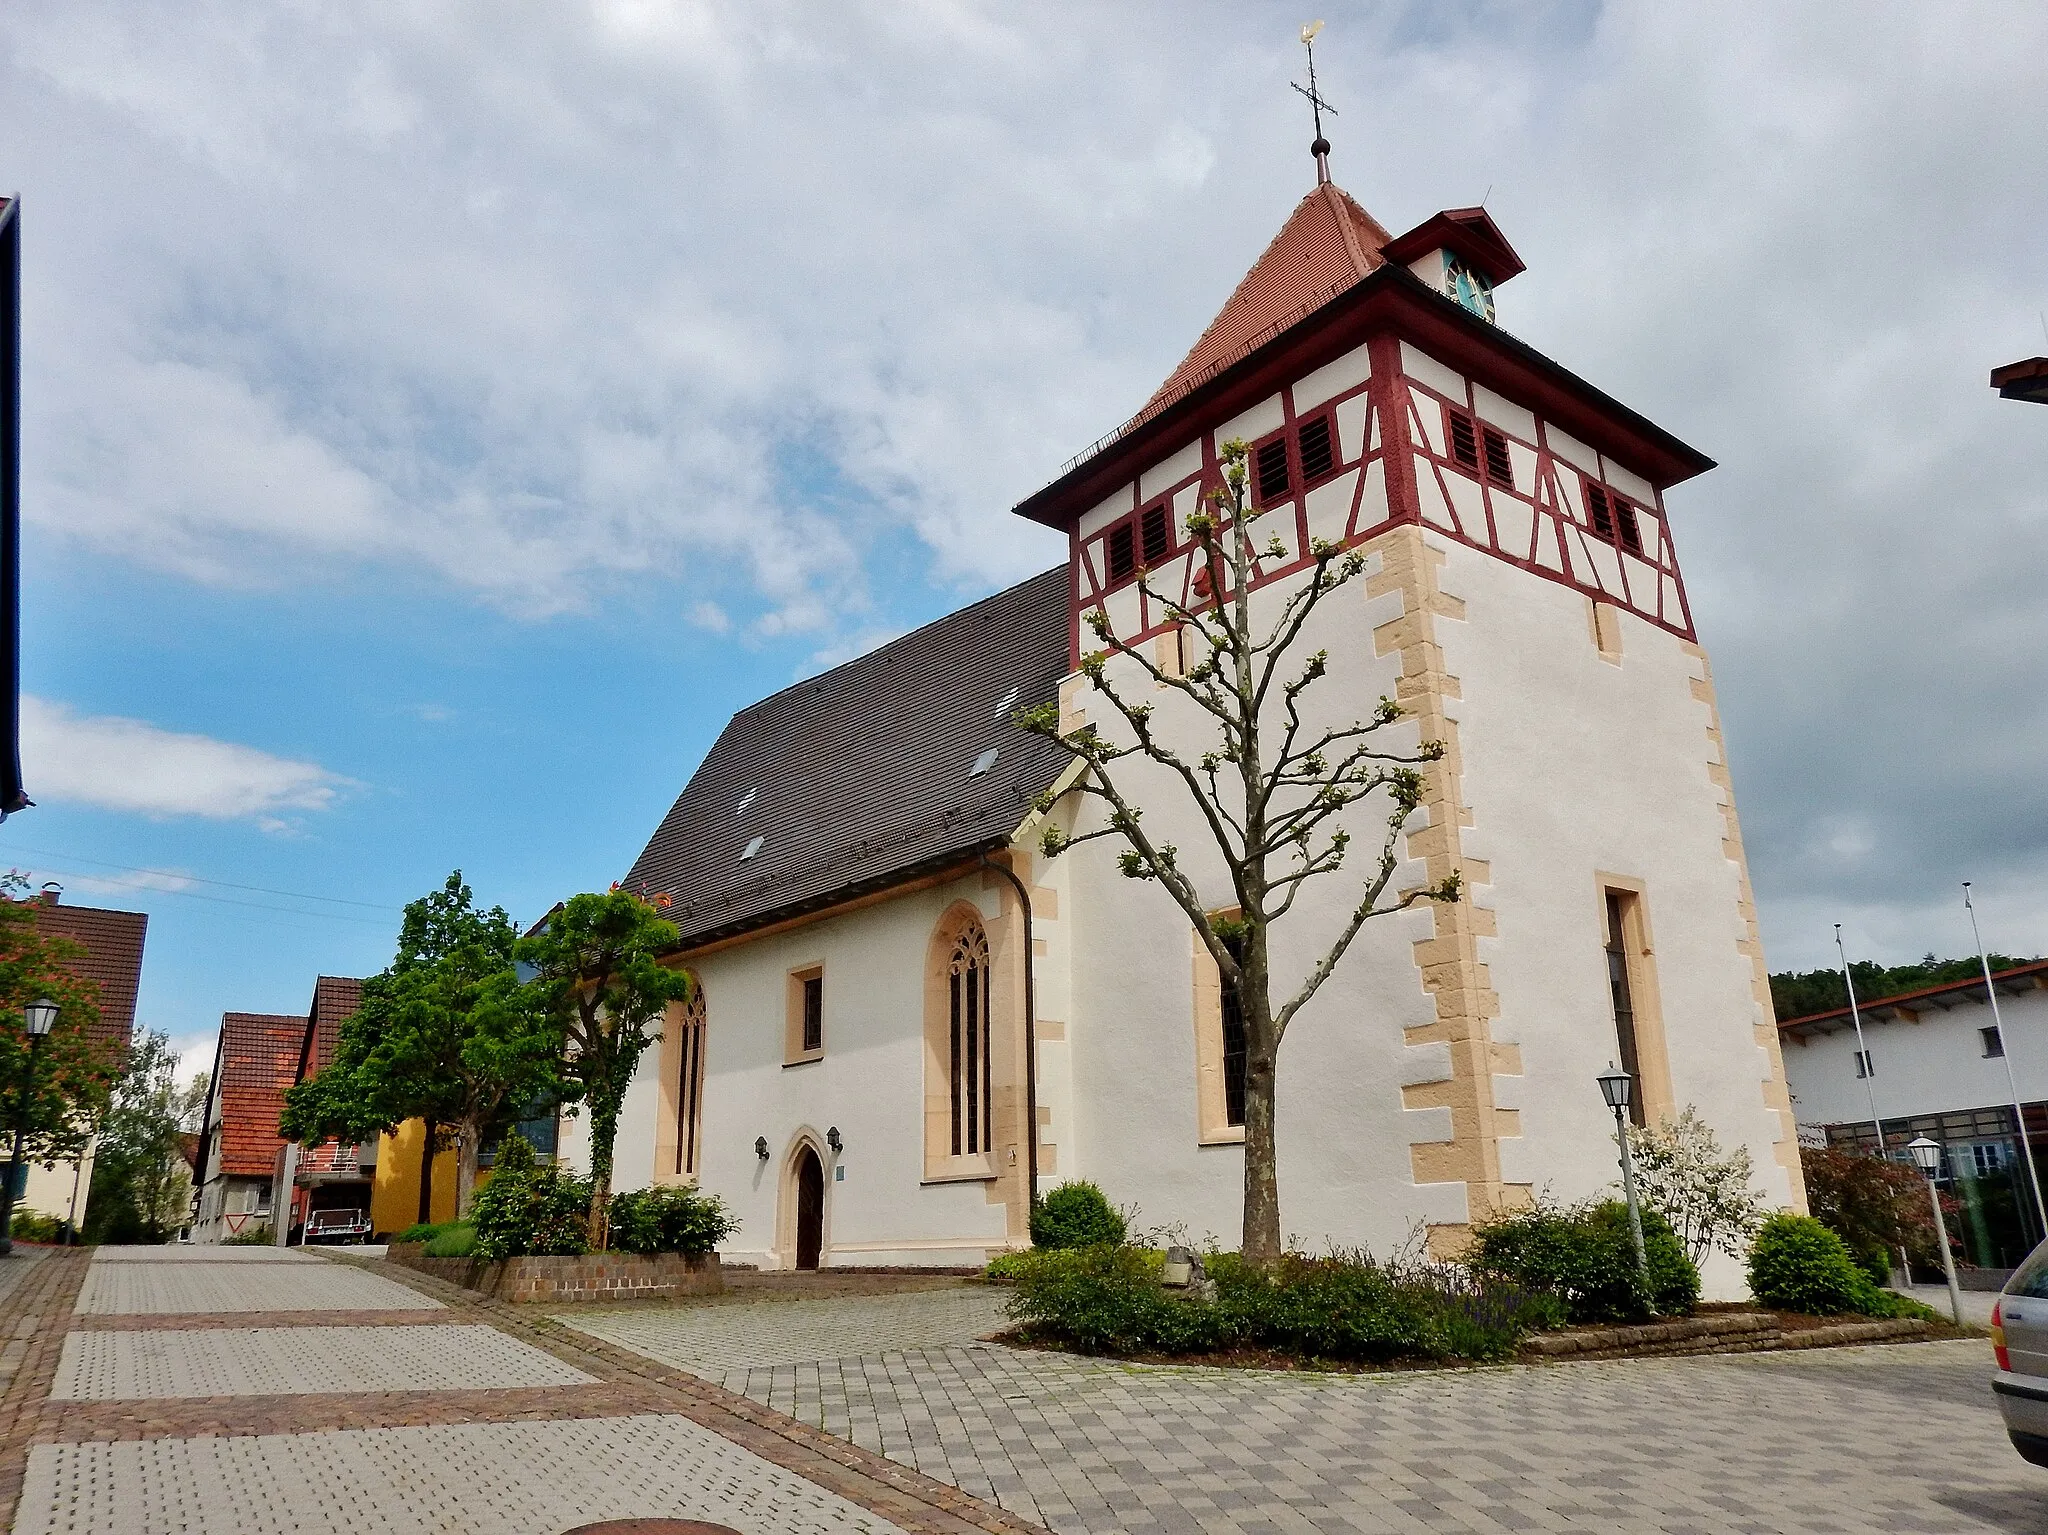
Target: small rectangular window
x: 1499, y: 467
x: 1123, y: 557
x: 814, y: 1012
x: 1464, y: 442
x: 1318, y: 453
x: 1625, y: 519
x: 1271, y: 469
x: 1994, y: 1042
x: 1598, y: 510
x: 1864, y: 1066
x: 1233, y: 1041
x: 1157, y: 534
x: 1620, y: 985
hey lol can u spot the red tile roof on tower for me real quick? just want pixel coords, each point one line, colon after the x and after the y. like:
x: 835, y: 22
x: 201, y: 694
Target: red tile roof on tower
x: 1327, y: 244
x: 335, y: 999
x: 259, y: 1059
x: 112, y: 941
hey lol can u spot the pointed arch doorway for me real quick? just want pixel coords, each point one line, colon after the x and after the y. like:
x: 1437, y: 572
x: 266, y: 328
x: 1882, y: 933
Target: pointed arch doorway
x: 808, y: 1178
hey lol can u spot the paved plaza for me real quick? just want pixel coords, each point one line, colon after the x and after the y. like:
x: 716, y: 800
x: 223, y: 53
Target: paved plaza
x: 183, y: 1286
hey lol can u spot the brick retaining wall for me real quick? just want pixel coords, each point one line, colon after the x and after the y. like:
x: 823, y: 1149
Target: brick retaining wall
x: 597, y: 1276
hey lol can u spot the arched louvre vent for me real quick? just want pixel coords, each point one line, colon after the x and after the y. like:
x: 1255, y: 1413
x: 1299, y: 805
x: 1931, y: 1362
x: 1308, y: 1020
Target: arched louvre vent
x: 1318, y: 453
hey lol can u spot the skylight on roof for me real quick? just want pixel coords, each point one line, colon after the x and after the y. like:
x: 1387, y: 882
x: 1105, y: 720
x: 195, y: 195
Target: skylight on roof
x: 983, y: 763
x: 747, y: 800
x: 753, y: 847
x: 1009, y: 702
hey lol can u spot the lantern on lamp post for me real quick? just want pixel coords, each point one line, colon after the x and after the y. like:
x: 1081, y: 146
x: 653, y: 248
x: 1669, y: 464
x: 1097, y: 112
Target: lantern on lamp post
x: 39, y: 1017
x: 1927, y: 1156
x: 1617, y: 1087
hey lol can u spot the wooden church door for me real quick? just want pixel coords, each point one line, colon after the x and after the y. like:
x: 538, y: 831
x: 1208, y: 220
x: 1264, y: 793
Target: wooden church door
x: 810, y: 1208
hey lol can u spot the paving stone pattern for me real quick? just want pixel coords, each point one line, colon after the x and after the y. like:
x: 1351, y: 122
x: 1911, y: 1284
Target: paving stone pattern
x: 1822, y: 1443
x: 126, y: 1365
x: 471, y: 1479
x: 716, y: 1342
x: 169, y: 1288
x: 197, y: 1252
x: 16, y: 1265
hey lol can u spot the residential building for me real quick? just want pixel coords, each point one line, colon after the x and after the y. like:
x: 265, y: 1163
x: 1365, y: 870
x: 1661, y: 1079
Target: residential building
x: 111, y: 959
x: 1935, y: 1062
x: 905, y: 1013
x: 256, y: 1060
x: 332, y: 1176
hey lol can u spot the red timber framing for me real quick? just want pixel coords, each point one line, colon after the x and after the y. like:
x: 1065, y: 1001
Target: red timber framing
x: 1392, y: 462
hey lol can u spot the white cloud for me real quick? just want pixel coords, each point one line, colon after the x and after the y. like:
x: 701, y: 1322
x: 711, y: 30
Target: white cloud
x: 129, y: 765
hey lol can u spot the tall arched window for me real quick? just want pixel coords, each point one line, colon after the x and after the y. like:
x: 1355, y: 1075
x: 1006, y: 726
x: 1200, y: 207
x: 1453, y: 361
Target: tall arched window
x: 690, y: 1082
x: 968, y: 1041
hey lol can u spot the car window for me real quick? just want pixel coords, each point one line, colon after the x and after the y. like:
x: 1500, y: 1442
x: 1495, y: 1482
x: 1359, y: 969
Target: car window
x: 2031, y: 1278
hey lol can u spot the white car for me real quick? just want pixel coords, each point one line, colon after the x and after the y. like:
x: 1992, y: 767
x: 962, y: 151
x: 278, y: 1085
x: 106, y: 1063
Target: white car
x: 2019, y: 1341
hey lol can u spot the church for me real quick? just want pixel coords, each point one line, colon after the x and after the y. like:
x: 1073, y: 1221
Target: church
x: 907, y: 1018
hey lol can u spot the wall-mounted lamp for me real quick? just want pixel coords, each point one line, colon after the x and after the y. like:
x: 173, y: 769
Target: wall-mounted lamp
x: 832, y: 1139
x: 761, y: 1147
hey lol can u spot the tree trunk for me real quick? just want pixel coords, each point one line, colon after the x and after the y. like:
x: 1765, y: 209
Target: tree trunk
x: 468, y: 1146
x: 427, y: 1172
x: 604, y: 1129
x: 1261, y: 1245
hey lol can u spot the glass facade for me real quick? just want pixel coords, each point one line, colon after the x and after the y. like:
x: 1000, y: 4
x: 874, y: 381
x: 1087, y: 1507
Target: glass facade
x: 1981, y: 1169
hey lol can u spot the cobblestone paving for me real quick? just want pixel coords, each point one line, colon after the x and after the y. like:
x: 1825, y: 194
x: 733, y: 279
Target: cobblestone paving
x: 725, y: 1342
x: 15, y: 1265
x: 124, y: 1366
x: 1839, y: 1440
x: 130, y: 1288
x: 469, y: 1479
x: 202, y: 1253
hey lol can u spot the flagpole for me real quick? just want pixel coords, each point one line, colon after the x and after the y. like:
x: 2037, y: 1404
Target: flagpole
x: 1856, y: 1017
x: 1998, y: 1024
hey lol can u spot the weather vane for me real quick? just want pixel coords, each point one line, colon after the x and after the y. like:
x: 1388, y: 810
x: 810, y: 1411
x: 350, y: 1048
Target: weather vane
x: 1321, y: 147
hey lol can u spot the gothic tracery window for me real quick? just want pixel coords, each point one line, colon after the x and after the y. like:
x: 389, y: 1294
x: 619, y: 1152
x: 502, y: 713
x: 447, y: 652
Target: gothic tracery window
x: 968, y: 1035
x: 690, y: 1083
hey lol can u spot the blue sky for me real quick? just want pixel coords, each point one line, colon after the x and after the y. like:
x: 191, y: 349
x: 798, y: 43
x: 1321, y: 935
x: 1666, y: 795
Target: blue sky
x: 440, y: 418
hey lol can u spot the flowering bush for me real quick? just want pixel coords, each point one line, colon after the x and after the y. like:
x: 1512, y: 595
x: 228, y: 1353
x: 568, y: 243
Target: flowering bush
x: 1704, y: 1194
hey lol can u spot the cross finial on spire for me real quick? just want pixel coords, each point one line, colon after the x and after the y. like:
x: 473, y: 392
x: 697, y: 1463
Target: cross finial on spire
x: 1321, y: 147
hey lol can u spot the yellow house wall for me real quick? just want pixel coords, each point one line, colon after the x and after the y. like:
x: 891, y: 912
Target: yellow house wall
x: 395, y: 1193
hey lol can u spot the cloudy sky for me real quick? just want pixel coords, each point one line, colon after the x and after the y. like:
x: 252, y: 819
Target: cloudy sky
x: 440, y: 417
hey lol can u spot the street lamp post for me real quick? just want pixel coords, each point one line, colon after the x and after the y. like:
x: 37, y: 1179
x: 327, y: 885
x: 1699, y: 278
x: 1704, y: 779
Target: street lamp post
x: 1927, y: 1155
x: 40, y: 1017
x: 1616, y: 1086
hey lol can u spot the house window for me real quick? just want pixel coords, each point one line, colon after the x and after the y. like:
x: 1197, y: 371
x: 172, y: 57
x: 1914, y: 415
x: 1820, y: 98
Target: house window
x: 1865, y: 1067
x: 1318, y: 450
x: 1464, y: 441
x: 1994, y: 1042
x: 1156, y: 534
x: 1598, y: 511
x: 1233, y: 1039
x: 1123, y: 559
x: 690, y: 1082
x: 804, y: 1033
x: 1499, y: 467
x: 1621, y: 987
x: 1270, y: 475
x: 969, y: 1073
x: 1631, y: 531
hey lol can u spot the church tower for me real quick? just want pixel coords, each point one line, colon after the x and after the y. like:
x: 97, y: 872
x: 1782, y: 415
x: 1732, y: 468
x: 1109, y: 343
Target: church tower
x: 1524, y: 603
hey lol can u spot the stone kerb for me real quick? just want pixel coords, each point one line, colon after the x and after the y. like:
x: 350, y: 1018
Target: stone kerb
x: 593, y: 1277
x: 1736, y: 1332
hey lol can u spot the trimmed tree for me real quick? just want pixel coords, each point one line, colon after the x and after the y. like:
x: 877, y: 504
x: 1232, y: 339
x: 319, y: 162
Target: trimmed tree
x: 600, y: 984
x: 446, y: 1034
x: 1272, y: 789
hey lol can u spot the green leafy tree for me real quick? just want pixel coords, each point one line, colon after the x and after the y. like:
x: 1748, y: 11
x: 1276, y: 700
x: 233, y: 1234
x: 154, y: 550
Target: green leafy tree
x: 1270, y: 787
x: 1702, y: 1191
x: 446, y: 1034
x: 600, y: 983
x: 1798, y: 994
x: 74, y: 1073
x: 1875, y: 1205
x: 141, y: 1183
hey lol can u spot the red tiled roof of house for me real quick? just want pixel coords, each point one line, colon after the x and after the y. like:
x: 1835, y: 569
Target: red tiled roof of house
x: 335, y: 999
x: 112, y: 941
x: 1327, y: 244
x: 259, y: 1059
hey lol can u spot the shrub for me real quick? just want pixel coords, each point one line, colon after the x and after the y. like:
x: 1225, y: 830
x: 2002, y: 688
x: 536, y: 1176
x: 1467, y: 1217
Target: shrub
x: 425, y: 1231
x: 1106, y: 1299
x: 669, y: 1220
x: 455, y: 1239
x: 1008, y: 1267
x: 34, y: 1226
x: 1585, y: 1256
x: 1876, y: 1263
x: 249, y: 1236
x: 1797, y: 1264
x: 1869, y: 1202
x: 530, y: 1211
x: 1702, y: 1191
x: 1075, y: 1215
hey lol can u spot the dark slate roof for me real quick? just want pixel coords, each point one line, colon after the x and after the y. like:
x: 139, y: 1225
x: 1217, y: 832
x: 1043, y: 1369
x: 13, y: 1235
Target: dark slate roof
x: 859, y: 778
